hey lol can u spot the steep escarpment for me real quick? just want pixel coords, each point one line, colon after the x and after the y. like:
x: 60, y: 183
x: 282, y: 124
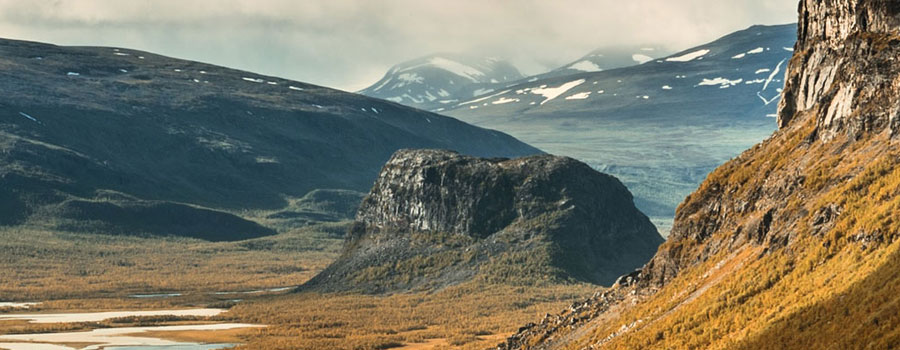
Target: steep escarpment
x: 435, y: 218
x: 792, y: 245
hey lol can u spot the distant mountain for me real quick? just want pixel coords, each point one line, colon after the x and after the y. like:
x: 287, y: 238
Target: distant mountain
x: 608, y: 58
x: 437, y: 81
x: 436, y: 218
x: 90, y: 136
x: 660, y: 126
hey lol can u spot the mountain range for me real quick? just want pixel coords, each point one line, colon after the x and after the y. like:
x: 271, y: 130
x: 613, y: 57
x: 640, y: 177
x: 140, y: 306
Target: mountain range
x: 661, y: 126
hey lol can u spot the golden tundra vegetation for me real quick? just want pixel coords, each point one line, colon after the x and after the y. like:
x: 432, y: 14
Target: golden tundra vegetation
x: 826, y: 289
x: 90, y: 272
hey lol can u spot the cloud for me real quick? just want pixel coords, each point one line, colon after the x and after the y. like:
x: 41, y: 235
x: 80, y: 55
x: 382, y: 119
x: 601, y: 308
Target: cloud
x: 349, y: 44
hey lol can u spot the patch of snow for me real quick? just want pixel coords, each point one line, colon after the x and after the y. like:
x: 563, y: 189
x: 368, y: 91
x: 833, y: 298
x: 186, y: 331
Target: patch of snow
x: 121, y: 54
x: 532, y: 80
x: 579, y: 96
x: 480, y: 92
x: 73, y: 74
x: 123, y: 71
x: 272, y: 83
x: 196, y: 80
x: 395, y: 99
x: 178, y: 70
x: 29, y: 117
x: 774, y: 73
x: 755, y: 51
x: 473, y: 107
x: 689, y: 56
x: 720, y: 82
x: 641, y: 59
x: 374, y: 110
x: 252, y: 80
x: 202, y: 72
x: 295, y: 88
x: 484, y: 98
x: 644, y: 97
x: 764, y: 70
x: 586, y: 66
x: 409, y: 78
x: 666, y: 87
x: 504, y: 100
x: 600, y: 91
x: 791, y: 49
x: 552, y: 93
x: 772, y: 115
x: 454, y: 67
x: 443, y: 93
x: 739, y: 56
x: 755, y: 81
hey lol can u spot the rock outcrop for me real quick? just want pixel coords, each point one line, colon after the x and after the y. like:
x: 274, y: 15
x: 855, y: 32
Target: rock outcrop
x: 435, y: 218
x: 779, y: 246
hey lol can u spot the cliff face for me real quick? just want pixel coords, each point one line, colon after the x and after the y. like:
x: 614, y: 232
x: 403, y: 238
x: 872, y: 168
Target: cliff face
x: 779, y: 247
x: 435, y: 218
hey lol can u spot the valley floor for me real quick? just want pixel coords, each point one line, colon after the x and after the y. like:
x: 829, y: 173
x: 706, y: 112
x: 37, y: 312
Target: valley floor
x: 66, y: 272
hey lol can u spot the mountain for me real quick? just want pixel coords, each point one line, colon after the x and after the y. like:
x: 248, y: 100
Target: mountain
x: 793, y: 244
x: 437, y: 218
x: 92, y: 135
x: 608, y: 58
x: 661, y: 126
x: 436, y: 81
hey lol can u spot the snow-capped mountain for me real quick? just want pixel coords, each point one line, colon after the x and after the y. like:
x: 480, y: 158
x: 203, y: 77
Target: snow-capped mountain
x: 608, y: 58
x: 660, y: 126
x: 437, y: 81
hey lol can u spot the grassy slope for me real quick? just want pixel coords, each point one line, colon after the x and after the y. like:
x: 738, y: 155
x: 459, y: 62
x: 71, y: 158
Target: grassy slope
x: 826, y: 289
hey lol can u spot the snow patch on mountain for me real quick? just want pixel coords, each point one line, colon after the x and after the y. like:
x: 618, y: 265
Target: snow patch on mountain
x: 641, y: 59
x: 585, y: 66
x: 689, y: 56
x: 552, y: 93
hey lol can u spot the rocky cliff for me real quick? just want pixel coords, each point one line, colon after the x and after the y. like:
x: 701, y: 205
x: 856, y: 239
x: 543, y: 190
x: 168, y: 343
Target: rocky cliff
x: 435, y: 218
x: 781, y: 247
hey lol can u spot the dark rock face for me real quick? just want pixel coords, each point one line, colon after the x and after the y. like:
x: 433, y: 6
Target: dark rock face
x: 581, y: 224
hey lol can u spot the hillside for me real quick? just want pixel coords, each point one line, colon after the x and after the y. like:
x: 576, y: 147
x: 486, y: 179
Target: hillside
x: 792, y: 245
x: 661, y: 126
x: 90, y: 137
x: 441, y: 80
x: 437, y: 218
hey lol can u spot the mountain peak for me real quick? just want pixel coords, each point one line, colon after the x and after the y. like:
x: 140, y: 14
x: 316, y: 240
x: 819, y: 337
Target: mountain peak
x: 437, y: 80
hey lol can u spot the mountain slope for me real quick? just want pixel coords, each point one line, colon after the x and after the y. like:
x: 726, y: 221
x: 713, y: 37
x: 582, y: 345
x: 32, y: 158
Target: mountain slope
x: 79, y: 123
x: 660, y: 126
x: 436, y: 218
x: 608, y: 58
x: 440, y: 80
x: 792, y: 245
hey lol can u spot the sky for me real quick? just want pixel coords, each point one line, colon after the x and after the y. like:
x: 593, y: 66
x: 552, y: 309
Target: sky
x: 350, y: 44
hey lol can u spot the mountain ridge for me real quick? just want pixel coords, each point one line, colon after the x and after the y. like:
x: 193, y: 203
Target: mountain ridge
x: 780, y: 247
x: 78, y: 121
